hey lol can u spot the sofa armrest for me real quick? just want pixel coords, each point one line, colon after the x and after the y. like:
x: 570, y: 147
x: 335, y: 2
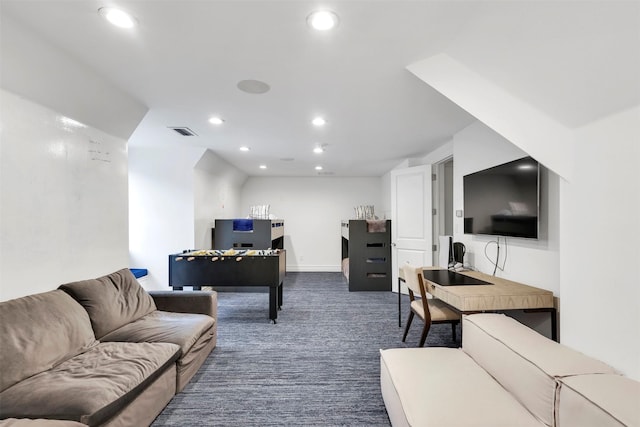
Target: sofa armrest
x: 197, y: 302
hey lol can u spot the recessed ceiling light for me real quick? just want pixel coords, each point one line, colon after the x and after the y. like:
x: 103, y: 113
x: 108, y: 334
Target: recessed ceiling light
x: 322, y: 20
x: 318, y: 168
x: 319, y: 121
x: 263, y: 166
x: 318, y: 150
x: 216, y: 121
x: 244, y: 148
x: 526, y: 166
x: 118, y: 17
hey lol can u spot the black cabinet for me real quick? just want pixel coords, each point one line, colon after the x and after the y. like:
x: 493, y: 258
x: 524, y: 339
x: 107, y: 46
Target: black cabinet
x: 248, y: 234
x: 366, y: 254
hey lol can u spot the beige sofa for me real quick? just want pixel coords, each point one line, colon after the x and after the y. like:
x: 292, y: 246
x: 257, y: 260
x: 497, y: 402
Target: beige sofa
x: 508, y: 375
x: 100, y: 352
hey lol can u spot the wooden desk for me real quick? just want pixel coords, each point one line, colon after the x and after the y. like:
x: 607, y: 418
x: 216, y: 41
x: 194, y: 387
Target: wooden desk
x: 501, y: 295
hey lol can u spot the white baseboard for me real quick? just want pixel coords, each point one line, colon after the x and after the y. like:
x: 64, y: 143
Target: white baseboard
x: 314, y: 268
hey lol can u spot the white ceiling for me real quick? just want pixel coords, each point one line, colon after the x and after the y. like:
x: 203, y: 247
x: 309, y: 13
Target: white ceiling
x: 575, y: 61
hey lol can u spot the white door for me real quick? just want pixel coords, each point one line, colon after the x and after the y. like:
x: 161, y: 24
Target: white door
x: 411, y: 222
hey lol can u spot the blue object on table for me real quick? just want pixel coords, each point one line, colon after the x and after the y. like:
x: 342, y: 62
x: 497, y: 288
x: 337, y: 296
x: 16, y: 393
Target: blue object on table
x: 242, y: 225
x: 139, y: 272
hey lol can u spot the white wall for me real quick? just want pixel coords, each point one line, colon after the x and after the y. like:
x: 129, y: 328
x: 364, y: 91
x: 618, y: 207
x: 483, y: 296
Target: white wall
x: 34, y: 68
x: 384, y: 211
x: 312, y: 208
x: 216, y: 195
x: 598, y: 168
x: 63, y: 200
x: 161, y: 207
x: 599, y: 219
x: 174, y: 192
x: 533, y: 262
x: 506, y: 114
x: 441, y: 153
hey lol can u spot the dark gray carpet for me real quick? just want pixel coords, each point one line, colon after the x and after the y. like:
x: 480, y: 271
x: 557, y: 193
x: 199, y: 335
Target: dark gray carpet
x: 318, y: 366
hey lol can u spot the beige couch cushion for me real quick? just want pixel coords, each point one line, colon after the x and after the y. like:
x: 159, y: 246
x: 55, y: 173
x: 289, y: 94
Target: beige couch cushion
x: 182, y: 329
x: 20, y: 422
x: 194, y: 333
x: 196, y: 302
x: 92, y: 386
x: 523, y: 361
x: 37, y: 332
x: 444, y: 387
x: 599, y: 400
x: 111, y: 301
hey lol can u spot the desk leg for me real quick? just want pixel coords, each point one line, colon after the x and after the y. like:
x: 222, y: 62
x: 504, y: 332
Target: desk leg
x: 273, y: 303
x: 280, y: 286
x: 554, y: 319
x: 400, y: 302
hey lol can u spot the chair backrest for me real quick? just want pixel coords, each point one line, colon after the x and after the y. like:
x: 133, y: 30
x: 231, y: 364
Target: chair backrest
x: 412, y: 279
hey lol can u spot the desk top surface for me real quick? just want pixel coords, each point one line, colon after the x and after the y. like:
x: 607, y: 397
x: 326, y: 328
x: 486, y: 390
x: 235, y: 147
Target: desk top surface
x: 502, y: 294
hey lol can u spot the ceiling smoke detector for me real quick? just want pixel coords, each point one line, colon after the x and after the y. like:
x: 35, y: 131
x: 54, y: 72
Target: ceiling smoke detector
x: 253, y: 86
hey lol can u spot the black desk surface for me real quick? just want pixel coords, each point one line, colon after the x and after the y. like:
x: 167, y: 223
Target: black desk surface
x: 451, y: 278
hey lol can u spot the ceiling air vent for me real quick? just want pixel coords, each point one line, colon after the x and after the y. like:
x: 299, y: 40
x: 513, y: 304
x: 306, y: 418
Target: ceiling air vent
x: 184, y: 131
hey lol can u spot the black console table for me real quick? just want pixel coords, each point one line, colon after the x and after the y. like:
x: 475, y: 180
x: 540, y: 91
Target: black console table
x: 212, y: 269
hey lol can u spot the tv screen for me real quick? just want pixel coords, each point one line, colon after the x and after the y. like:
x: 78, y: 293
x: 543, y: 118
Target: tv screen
x: 503, y: 200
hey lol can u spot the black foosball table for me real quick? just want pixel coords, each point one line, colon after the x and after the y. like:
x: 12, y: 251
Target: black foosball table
x: 231, y: 268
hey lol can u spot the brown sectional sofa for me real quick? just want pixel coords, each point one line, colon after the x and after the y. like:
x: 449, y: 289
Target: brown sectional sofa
x: 507, y: 375
x: 100, y: 352
x: 40, y: 422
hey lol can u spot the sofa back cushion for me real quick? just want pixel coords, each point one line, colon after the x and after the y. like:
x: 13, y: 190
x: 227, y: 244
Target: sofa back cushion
x: 38, y: 332
x: 111, y: 301
x: 525, y: 363
x: 598, y: 400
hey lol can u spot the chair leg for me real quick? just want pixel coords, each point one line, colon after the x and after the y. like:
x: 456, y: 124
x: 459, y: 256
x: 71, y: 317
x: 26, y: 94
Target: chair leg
x: 406, y: 329
x: 425, y: 331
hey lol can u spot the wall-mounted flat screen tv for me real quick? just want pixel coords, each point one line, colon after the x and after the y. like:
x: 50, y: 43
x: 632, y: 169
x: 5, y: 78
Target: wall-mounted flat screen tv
x: 503, y: 200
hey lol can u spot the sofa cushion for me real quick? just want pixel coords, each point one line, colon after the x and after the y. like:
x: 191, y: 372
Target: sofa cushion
x: 182, y: 329
x: 26, y: 422
x: 38, y: 332
x: 111, y: 301
x: 598, y: 400
x: 444, y: 387
x: 90, y: 387
x: 526, y: 363
x: 197, y: 302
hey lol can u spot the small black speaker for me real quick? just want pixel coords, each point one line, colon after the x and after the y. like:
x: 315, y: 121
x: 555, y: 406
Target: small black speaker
x: 458, y: 252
